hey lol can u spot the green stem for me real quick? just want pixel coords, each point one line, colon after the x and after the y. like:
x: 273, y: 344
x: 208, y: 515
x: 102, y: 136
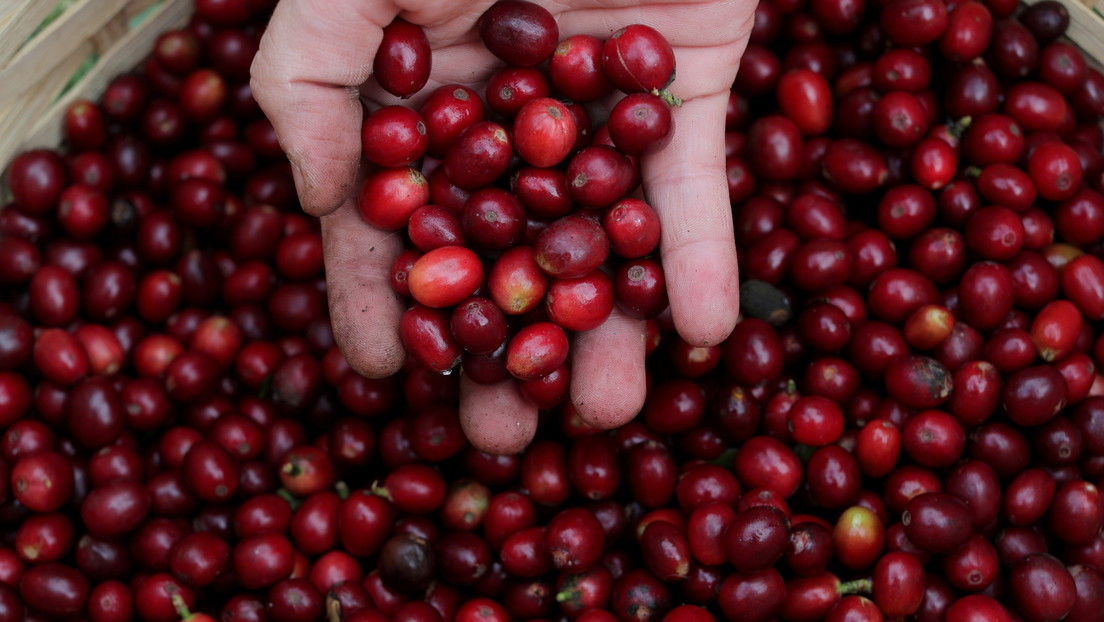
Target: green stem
x: 858, y: 586
x: 284, y: 494
x: 181, y: 607
x: 668, y: 97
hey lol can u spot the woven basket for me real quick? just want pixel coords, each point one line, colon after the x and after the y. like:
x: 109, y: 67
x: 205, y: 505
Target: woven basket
x: 37, y: 65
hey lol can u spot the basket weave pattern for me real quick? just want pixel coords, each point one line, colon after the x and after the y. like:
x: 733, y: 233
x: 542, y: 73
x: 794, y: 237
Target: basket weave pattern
x: 35, y: 70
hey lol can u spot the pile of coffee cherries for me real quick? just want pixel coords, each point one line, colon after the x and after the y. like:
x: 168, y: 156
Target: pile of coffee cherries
x: 907, y: 424
x: 519, y: 214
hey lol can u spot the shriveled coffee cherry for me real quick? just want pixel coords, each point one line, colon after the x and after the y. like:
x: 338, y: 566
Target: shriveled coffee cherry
x: 638, y: 59
x: 403, y: 60
x: 521, y: 33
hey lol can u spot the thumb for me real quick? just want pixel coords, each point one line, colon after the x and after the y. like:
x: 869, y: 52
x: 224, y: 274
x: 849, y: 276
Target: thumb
x: 306, y: 76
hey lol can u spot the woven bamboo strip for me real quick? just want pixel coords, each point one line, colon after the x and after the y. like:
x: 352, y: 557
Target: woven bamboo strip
x: 35, y: 119
x: 18, y: 19
x: 1086, y: 27
x: 72, y: 31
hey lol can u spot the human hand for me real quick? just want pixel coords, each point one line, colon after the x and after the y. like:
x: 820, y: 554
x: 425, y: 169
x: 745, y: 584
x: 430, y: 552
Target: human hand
x: 313, y: 68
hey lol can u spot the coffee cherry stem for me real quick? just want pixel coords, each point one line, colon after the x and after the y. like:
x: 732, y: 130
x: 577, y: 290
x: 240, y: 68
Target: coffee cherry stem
x: 669, y: 97
x: 858, y: 586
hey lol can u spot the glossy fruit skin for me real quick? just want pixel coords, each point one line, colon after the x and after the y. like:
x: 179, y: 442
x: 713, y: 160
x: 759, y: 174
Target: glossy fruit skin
x: 1083, y: 284
x: 445, y: 276
x: 1056, y: 171
x: 479, y: 155
x: 638, y: 58
x: 404, y: 60
x: 775, y: 147
x: 394, y: 136
x: 858, y: 537
x: 536, y: 350
x: 632, y: 227
x: 521, y: 33
x: 390, y: 196
x: 448, y: 111
x: 937, y: 522
x: 582, y: 303
x: 43, y: 481
x: 755, y: 597
x: 426, y: 336
x: 639, y: 121
x: 571, y: 247
x: 544, y: 132
x: 36, y: 179
x: 599, y: 176
x: 55, y: 589
x: 975, y: 608
x: 805, y: 97
x: 1042, y: 588
x: 756, y: 538
x: 641, y: 288
x: 898, y: 584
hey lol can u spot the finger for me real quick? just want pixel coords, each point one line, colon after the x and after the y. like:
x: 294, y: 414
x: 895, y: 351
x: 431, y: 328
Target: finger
x: 496, y: 418
x: 682, y: 22
x: 685, y: 181
x: 607, y: 371
x: 311, y: 61
x: 364, y: 309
